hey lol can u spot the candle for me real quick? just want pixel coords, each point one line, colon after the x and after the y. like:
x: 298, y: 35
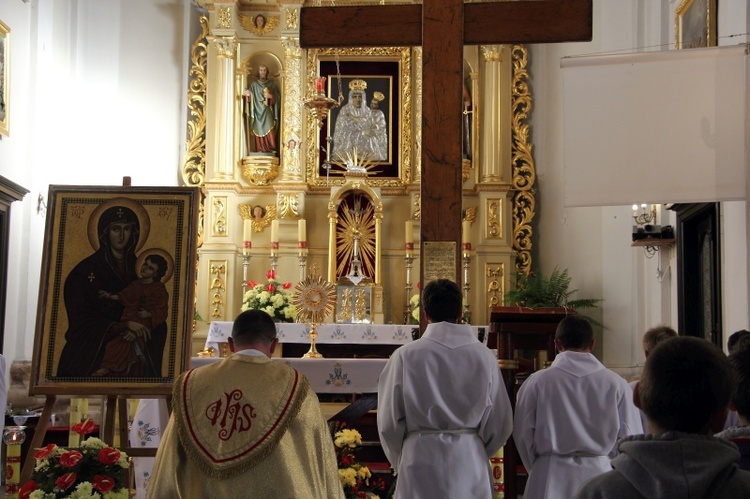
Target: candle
x: 467, y: 232
x: 320, y: 84
x: 635, y: 209
x: 247, y: 231
x: 274, y: 231
x: 302, y: 231
x: 409, y: 232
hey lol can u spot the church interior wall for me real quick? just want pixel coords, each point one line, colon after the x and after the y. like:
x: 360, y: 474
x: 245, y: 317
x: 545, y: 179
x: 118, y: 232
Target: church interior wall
x: 115, y: 71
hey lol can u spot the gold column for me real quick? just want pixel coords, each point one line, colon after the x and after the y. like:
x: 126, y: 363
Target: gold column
x: 496, y: 139
x: 292, y: 111
x: 223, y: 133
x: 417, y: 170
x: 332, y: 221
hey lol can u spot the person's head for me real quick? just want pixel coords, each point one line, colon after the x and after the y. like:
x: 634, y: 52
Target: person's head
x: 357, y: 92
x: 118, y: 229
x: 257, y: 211
x: 740, y: 362
x: 685, y: 386
x: 260, y: 21
x: 574, y: 333
x: 656, y: 335
x: 376, y: 98
x: 262, y: 72
x: 253, y: 329
x: 441, y: 300
x: 154, y: 267
x: 739, y: 340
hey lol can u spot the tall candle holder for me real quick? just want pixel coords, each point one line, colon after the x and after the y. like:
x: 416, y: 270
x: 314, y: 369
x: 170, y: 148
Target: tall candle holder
x: 302, y: 256
x: 274, y: 255
x: 466, y: 260
x: 409, y: 260
x: 13, y: 437
x: 247, y: 245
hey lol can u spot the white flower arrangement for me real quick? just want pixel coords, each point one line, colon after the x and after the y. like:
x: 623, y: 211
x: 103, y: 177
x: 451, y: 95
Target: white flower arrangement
x: 273, y: 297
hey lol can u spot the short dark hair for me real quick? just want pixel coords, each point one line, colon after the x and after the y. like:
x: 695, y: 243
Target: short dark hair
x: 740, y: 362
x: 686, y: 381
x: 442, y: 300
x: 739, y: 340
x: 574, y: 332
x: 253, y: 326
x: 161, y: 265
x: 656, y: 335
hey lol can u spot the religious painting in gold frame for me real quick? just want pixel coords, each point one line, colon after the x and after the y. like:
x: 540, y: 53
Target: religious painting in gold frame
x: 115, y: 309
x: 4, y: 79
x: 695, y: 24
x: 385, y: 70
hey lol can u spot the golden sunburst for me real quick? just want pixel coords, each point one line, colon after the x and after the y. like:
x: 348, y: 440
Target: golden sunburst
x: 356, y: 218
x: 314, y: 299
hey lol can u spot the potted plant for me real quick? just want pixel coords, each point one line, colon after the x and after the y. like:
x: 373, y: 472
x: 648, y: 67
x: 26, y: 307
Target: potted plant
x: 535, y: 290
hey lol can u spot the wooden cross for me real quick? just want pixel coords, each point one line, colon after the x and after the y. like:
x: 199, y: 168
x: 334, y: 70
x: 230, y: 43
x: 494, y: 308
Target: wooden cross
x: 443, y: 27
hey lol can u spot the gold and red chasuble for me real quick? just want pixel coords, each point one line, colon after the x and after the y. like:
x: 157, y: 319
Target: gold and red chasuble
x: 231, y: 414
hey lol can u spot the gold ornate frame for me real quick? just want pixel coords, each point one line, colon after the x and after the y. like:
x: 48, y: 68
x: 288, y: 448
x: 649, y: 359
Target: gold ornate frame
x: 4, y: 79
x: 695, y: 23
x: 403, y: 111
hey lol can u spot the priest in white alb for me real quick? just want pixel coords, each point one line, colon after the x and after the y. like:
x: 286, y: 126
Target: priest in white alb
x: 442, y: 406
x: 569, y: 416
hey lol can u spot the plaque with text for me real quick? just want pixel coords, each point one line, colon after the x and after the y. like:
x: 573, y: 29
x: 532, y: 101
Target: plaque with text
x: 440, y: 260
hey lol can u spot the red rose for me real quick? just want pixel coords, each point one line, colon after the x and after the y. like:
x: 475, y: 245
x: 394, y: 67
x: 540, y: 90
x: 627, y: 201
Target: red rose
x: 66, y: 481
x: 85, y: 427
x: 70, y: 458
x: 270, y: 288
x: 108, y: 455
x: 103, y: 483
x: 45, y: 452
x: 286, y: 285
x: 27, y: 489
x: 271, y: 274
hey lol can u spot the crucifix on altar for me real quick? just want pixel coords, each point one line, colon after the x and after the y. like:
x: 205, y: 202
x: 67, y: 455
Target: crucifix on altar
x: 442, y: 28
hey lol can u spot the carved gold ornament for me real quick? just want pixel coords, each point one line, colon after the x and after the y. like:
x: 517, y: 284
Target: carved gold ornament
x: 258, y: 224
x: 249, y: 23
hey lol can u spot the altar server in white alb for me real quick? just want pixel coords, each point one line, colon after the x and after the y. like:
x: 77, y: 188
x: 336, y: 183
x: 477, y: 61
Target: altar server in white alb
x: 569, y: 417
x: 442, y: 407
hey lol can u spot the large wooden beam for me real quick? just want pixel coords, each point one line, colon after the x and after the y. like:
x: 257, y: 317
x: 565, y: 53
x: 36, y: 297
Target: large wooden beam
x: 529, y: 21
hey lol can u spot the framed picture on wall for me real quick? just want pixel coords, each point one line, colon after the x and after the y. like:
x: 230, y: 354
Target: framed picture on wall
x: 695, y: 24
x: 115, y: 309
x: 4, y: 79
x: 372, y: 121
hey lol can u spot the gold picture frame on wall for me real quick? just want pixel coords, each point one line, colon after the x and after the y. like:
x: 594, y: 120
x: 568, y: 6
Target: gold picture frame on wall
x: 695, y: 24
x: 4, y: 79
x: 115, y: 311
x: 380, y: 72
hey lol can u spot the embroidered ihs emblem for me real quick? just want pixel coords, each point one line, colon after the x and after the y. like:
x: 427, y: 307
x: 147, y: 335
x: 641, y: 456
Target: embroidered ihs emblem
x: 230, y: 414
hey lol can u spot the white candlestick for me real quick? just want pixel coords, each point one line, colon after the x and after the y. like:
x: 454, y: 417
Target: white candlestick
x: 409, y: 232
x: 302, y: 231
x: 274, y: 231
x: 466, y: 232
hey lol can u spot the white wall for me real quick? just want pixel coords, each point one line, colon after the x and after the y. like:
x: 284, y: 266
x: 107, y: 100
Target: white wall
x: 97, y: 93
x: 594, y: 243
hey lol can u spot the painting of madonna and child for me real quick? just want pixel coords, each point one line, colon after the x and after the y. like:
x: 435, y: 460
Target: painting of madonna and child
x: 116, y: 294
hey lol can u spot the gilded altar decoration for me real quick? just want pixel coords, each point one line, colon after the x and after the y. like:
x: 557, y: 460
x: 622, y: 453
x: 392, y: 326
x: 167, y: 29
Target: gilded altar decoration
x: 260, y: 170
x: 345, y: 307
x: 92, y: 470
x: 218, y: 288
x: 314, y: 299
x: 360, y: 306
x: 259, y: 217
x: 259, y: 24
x: 224, y: 17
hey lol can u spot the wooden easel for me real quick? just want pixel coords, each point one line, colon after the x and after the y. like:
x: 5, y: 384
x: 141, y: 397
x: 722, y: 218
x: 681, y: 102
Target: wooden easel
x: 107, y: 430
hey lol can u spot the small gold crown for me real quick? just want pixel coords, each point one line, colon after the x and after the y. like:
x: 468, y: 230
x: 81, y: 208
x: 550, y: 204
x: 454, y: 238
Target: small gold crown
x: 378, y: 96
x: 358, y: 85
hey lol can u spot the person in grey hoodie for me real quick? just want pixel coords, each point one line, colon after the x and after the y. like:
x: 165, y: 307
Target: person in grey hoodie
x: 685, y: 389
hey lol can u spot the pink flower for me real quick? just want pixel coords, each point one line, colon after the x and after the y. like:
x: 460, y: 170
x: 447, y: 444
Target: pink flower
x: 70, y: 458
x: 27, y: 489
x: 103, y: 483
x: 85, y: 427
x: 270, y: 288
x: 66, y: 481
x: 108, y: 455
x: 271, y: 274
x: 45, y: 452
x: 286, y: 285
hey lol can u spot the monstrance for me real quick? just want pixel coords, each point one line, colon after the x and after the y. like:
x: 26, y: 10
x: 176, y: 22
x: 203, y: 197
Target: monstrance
x: 314, y: 299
